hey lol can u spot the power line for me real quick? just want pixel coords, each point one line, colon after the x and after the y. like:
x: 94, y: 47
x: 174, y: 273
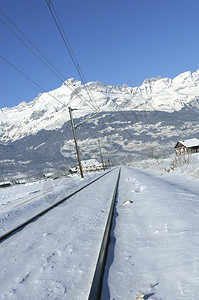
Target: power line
x: 21, y: 72
x: 70, y: 86
x: 71, y: 52
x: 26, y: 76
x: 30, y: 49
x: 90, y: 116
x: 69, y: 48
x: 63, y: 78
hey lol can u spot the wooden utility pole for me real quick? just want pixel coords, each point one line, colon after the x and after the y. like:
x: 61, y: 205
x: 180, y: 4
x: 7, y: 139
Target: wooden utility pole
x: 101, y: 155
x: 75, y: 139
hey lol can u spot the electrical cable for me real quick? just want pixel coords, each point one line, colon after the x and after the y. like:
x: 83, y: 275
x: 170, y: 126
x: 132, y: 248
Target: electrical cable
x: 21, y: 72
x: 61, y: 79
x: 93, y: 115
x: 90, y: 117
x: 29, y: 48
x: 67, y: 44
x: 72, y: 54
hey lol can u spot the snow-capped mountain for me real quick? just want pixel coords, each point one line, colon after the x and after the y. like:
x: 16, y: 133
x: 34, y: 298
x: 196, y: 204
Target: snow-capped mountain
x: 133, y: 122
x: 45, y: 112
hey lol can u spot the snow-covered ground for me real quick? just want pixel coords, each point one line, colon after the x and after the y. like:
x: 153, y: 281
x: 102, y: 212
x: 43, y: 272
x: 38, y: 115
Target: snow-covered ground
x: 55, y: 256
x: 20, y: 203
x: 154, y: 245
x: 183, y: 164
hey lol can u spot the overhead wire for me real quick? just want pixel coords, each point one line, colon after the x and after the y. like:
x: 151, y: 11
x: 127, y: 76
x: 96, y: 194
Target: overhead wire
x: 35, y: 83
x: 69, y: 48
x: 71, y: 52
x: 66, y: 42
x: 61, y: 77
x: 74, y: 59
x: 76, y: 64
x: 90, y: 117
x: 26, y: 76
x: 70, y: 86
x: 95, y: 111
x: 31, y: 80
x: 21, y: 72
x: 103, y: 121
x: 62, y: 32
x: 29, y: 48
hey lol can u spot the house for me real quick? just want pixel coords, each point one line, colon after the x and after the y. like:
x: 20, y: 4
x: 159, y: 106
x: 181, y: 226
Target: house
x: 20, y: 181
x: 187, y: 146
x: 4, y: 184
x: 48, y: 175
x: 87, y: 165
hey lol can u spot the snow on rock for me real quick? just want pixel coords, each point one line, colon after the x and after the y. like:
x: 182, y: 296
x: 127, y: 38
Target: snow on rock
x: 44, y: 112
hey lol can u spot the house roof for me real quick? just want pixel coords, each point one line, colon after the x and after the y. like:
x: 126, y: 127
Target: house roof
x: 86, y: 164
x: 48, y: 174
x: 21, y: 181
x: 189, y: 143
x: 5, y: 182
x: 90, y: 163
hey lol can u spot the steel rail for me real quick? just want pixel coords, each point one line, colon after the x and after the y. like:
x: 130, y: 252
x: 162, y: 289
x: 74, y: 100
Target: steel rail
x: 13, y: 231
x: 96, y: 286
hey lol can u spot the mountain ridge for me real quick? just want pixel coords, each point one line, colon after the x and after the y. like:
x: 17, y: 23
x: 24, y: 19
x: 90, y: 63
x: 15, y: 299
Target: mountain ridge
x: 44, y: 112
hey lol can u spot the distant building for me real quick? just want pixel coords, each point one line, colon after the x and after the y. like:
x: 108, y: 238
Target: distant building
x: 187, y: 146
x: 48, y: 175
x: 87, y: 165
x: 4, y: 184
x: 20, y: 181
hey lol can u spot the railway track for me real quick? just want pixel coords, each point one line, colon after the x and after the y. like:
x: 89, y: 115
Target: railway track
x: 20, y: 226
x: 96, y: 286
x: 101, y: 253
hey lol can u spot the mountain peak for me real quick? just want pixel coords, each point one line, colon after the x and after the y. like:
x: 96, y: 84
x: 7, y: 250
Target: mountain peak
x: 72, y: 81
x: 183, y: 78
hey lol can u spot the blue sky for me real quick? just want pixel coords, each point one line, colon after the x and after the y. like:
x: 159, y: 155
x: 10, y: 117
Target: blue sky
x: 115, y: 42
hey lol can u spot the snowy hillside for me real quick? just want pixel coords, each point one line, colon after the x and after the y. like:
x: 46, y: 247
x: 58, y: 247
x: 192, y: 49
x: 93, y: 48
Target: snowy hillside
x: 44, y: 112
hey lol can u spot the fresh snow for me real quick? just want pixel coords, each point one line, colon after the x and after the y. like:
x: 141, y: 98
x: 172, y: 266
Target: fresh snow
x: 19, y: 204
x: 55, y: 256
x: 154, y: 244
x: 190, y: 142
x: 154, y: 240
x: 90, y: 163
